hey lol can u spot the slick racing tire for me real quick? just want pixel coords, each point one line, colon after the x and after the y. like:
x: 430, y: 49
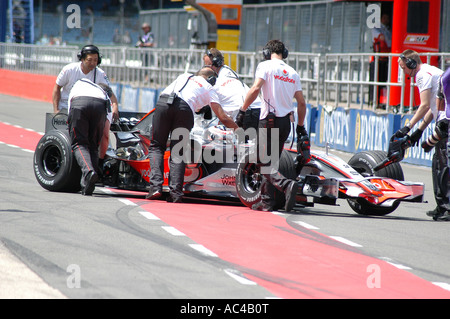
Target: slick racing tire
x: 248, y: 179
x: 55, y: 167
x: 364, y: 162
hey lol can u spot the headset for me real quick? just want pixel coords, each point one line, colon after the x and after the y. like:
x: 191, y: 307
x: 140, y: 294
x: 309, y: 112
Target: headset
x: 267, y: 53
x: 217, y: 61
x: 89, y: 49
x: 212, y: 80
x: 410, y: 63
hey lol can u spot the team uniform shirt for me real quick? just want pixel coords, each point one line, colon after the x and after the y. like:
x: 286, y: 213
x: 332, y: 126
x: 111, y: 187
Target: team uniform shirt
x: 428, y: 78
x: 70, y: 74
x: 197, y: 93
x: 232, y: 92
x: 87, y: 88
x: 281, y: 83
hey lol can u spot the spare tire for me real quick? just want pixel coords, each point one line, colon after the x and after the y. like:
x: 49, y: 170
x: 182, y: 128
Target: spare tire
x: 363, y: 163
x: 55, y: 167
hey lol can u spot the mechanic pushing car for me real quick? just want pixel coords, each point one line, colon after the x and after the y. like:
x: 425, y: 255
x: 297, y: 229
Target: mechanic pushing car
x: 427, y: 79
x: 89, y: 110
x: 175, y: 110
x: 279, y: 84
x: 231, y: 91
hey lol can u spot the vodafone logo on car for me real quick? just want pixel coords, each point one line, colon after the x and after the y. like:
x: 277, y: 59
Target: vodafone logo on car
x: 284, y: 77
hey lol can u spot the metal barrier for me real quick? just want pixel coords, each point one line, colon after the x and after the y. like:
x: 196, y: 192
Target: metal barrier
x: 327, y: 79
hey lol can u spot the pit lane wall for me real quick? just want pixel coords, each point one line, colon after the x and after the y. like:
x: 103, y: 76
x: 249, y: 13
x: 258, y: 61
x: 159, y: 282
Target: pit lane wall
x: 354, y: 130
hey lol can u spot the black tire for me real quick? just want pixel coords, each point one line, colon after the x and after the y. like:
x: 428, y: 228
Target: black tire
x: 248, y: 180
x: 55, y: 167
x: 364, y: 162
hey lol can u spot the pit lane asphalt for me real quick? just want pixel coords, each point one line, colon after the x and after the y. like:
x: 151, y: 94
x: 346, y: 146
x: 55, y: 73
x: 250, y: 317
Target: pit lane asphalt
x: 47, y: 235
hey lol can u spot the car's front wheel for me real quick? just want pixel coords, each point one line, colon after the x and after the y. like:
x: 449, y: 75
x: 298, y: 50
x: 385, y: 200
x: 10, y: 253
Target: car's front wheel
x: 363, y: 163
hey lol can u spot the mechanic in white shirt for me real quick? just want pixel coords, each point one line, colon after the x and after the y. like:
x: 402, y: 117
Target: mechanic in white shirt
x: 89, y: 109
x: 175, y: 110
x: 427, y: 80
x: 279, y: 84
x: 87, y: 68
x: 232, y: 91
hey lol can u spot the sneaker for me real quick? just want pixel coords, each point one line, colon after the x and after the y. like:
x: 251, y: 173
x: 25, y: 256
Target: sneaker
x: 89, y: 187
x: 171, y: 199
x: 153, y: 195
x: 290, y: 193
x: 445, y: 216
x: 435, y: 212
x: 260, y: 206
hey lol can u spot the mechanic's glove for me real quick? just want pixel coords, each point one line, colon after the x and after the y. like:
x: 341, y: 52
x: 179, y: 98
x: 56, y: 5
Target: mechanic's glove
x: 402, y: 132
x: 240, y: 118
x: 303, y: 145
x: 301, y: 130
x: 415, y: 137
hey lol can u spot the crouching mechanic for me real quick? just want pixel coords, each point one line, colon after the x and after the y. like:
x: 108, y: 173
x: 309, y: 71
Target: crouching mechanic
x: 175, y: 110
x: 89, y: 110
x: 279, y: 84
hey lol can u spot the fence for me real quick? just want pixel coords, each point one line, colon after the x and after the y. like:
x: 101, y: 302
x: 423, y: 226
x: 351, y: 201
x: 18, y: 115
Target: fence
x: 327, y: 79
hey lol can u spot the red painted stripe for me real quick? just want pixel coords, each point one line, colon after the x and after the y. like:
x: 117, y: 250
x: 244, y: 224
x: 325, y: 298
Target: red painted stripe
x: 27, y: 85
x: 20, y: 137
x: 290, y: 262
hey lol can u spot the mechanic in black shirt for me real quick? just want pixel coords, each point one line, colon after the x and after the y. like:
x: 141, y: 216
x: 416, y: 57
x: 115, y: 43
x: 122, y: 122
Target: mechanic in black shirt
x: 89, y: 109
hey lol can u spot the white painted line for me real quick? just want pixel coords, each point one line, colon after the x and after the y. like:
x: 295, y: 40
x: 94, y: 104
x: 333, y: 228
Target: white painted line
x: 443, y: 285
x: 202, y: 249
x: 345, y: 241
x: 148, y: 215
x: 399, y: 266
x: 106, y: 190
x: 306, y: 225
x: 395, y: 264
x: 173, y: 231
x: 127, y: 202
x: 239, y: 277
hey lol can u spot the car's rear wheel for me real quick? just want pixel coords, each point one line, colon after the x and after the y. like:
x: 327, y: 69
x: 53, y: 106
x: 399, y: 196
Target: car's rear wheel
x: 248, y: 179
x: 364, y: 162
x: 55, y: 168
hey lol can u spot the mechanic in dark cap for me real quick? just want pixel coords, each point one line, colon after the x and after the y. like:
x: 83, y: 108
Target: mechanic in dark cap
x: 89, y: 110
x: 175, y: 110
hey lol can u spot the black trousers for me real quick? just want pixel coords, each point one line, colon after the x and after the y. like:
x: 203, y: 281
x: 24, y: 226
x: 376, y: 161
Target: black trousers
x: 166, y: 119
x: 272, y: 179
x: 440, y: 174
x: 86, y: 121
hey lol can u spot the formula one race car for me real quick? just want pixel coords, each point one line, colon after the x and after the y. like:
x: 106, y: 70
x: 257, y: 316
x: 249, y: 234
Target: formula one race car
x: 367, y: 182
